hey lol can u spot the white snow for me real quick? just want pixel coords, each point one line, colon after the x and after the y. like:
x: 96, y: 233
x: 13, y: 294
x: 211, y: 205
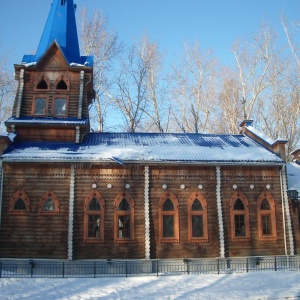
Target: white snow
x: 263, y: 136
x: 256, y: 285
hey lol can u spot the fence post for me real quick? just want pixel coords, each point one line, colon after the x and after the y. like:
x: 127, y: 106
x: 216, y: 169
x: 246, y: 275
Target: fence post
x: 157, y: 268
x: 94, y: 269
x: 218, y: 266
x: 31, y: 263
x: 126, y: 267
x: 0, y: 269
x: 247, y: 265
x: 63, y: 270
x: 275, y: 263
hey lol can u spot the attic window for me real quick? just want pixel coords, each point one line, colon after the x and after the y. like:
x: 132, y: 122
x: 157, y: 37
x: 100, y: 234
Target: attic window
x: 61, y: 85
x: 42, y: 85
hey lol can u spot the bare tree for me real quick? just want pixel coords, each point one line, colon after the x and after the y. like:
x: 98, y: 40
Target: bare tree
x: 7, y: 91
x: 193, y: 88
x: 104, y: 46
x: 254, y: 59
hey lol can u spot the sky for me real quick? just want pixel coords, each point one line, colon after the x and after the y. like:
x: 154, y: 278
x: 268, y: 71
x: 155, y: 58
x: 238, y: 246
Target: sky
x: 215, y: 24
x: 254, y: 285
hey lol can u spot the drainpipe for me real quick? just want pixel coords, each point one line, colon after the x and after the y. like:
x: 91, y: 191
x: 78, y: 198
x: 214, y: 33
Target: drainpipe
x: 286, y: 209
x: 147, y: 220
x: 1, y: 189
x: 71, y: 213
x: 220, y: 216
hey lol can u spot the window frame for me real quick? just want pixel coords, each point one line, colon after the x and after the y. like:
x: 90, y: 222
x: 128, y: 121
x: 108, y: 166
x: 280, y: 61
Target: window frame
x: 94, y: 194
x: 174, y: 213
x: 239, y: 195
x: 66, y: 81
x: 40, y: 96
x: 271, y: 212
x: 117, y: 213
x: 20, y: 194
x: 203, y: 213
x: 58, y: 97
x: 46, y: 196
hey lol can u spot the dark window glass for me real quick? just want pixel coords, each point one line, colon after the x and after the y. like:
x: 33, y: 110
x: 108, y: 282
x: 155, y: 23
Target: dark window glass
x: 265, y: 205
x: 124, y: 205
x: 19, y: 205
x: 239, y: 225
x: 197, y: 226
x: 197, y: 205
x: 94, y: 226
x: 42, y: 85
x: 168, y: 205
x: 49, y: 205
x: 40, y: 106
x: 60, y: 107
x: 61, y: 85
x: 124, y: 226
x: 168, y: 226
x: 238, y: 205
x: 266, y: 224
x: 94, y: 205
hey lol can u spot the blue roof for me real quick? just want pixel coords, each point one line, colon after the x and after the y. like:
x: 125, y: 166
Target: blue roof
x: 148, y: 148
x: 60, y: 27
x: 47, y: 121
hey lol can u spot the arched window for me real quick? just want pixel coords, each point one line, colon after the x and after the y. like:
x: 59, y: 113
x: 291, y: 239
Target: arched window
x: 168, y: 219
x: 42, y: 85
x: 19, y: 203
x: 94, y: 209
x: 197, y: 218
x: 49, y: 204
x: 266, y: 217
x: 239, y: 217
x: 61, y: 85
x: 124, y: 218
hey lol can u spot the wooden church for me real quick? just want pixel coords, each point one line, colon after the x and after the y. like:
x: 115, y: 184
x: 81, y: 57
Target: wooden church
x: 69, y: 193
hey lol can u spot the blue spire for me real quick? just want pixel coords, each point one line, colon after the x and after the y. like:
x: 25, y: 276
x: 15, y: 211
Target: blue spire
x: 60, y: 27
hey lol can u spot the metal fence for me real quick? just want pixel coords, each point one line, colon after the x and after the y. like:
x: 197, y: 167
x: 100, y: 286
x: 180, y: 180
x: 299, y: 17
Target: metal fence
x: 126, y: 268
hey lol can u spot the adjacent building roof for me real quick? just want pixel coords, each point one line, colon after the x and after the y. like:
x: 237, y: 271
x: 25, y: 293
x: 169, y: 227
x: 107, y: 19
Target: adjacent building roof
x: 148, y: 148
x: 293, y: 176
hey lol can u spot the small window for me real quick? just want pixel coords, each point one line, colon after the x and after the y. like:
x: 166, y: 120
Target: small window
x: 19, y: 204
x: 94, y: 208
x: 266, y: 217
x: 42, y: 85
x: 61, y: 85
x: 197, y: 218
x: 40, y: 106
x: 49, y: 204
x: 239, y: 215
x: 168, y: 219
x: 124, y: 218
x: 60, y: 107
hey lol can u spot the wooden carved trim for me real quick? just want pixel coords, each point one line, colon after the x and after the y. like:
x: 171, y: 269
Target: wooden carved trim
x: 264, y: 215
x: 94, y: 218
x: 61, y: 79
x: 39, y: 80
x: 49, y: 204
x: 194, y: 213
x: 245, y: 234
x: 19, y: 204
x: 174, y: 214
x: 124, y: 219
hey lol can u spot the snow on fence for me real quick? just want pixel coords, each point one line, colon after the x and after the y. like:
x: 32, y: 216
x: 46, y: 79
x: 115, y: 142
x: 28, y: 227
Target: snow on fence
x: 126, y: 268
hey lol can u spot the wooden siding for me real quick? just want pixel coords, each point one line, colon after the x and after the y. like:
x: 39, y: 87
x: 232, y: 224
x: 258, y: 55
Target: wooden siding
x: 35, y: 235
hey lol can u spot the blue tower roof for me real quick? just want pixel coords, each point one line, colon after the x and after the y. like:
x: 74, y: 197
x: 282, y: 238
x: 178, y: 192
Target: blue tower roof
x: 60, y: 27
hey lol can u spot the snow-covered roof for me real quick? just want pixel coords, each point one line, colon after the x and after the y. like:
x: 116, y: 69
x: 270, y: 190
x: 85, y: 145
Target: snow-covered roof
x: 46, y: 121
x: 10, y: 135
x: 148, y: 148
x: 263, y: 137
x: 293, y: 176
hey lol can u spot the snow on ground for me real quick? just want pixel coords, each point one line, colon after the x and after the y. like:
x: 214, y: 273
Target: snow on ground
x: 256, y: 285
